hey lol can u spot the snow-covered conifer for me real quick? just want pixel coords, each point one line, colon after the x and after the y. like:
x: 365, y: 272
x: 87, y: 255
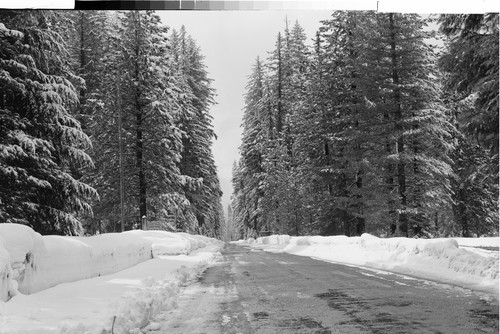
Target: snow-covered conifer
x: 39, y: 138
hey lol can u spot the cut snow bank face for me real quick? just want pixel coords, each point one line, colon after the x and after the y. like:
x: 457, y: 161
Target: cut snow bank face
x: 70, y: 259
x: 6, y: 288
x: 21, y: 247
x: 436, y: 259
x: 33, y: 262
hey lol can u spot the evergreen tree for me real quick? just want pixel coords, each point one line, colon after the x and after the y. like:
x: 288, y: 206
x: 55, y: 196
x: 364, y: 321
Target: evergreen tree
x: 239, y: 202
x: 40, y: 140
x: 471, y: 61
x: 112, y: 76
x: 399, y: 75
x: 88, y: 35
x: 337, y: 109
x: 287, y: 68
x: 134, y: 124
x: 470, y: 64
x: 153, y: 101
x: 252, y: 147
x: 104, y: 99
x: 197, y: 160
x: 475, y: 205
x: 358, y: 136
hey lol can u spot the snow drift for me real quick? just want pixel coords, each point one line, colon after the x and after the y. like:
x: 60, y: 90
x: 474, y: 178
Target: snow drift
x: 437, y: 259
x: 30, y: 262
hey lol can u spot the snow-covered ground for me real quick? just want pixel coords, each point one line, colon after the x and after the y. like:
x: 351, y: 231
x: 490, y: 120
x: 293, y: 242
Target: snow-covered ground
x: 457, y: 261
x: 116, y: 281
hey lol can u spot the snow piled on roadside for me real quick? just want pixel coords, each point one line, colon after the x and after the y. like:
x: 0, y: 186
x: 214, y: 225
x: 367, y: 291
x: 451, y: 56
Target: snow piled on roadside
x: 492, y: 242
x: 119, y: 302
x: 31, y: 262
x: 170, y: 243
x: 136, y: 308
x: 436, y: 259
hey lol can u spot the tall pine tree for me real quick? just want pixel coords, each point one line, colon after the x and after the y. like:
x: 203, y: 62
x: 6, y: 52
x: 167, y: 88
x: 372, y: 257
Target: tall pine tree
x: 39, y: 138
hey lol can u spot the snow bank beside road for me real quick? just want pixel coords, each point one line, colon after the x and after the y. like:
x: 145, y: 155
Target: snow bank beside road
x: 124, y: 302
x: 436, y: 259
x: 31, y: 262
x: 169, y: 243
x: 69, y: 259
x: 491, y: 242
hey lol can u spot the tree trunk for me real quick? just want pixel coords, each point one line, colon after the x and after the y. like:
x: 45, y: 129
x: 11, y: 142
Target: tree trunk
x: 398, y: 118
x: 83, y: 58
x: 120, y: 153
x: 139, y: 131
x: 279, y: 116
x: 140, y: 165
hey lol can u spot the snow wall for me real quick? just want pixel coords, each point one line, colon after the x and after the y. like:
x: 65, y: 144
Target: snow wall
x: 30, y: 262
x: 439, y: 259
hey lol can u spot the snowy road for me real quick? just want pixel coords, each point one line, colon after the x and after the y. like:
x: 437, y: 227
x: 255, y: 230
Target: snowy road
x: 251, y: 291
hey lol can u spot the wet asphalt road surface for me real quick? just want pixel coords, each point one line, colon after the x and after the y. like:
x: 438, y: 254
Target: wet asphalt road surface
x: 252, y: 291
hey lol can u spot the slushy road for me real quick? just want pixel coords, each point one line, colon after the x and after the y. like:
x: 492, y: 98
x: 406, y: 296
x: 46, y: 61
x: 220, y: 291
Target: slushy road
x: 252, y: 291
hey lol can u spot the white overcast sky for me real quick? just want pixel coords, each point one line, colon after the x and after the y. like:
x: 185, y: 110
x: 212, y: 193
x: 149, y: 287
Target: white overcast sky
x: 232, y: 40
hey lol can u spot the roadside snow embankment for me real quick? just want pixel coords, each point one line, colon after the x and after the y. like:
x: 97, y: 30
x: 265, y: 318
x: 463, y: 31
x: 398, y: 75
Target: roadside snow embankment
x: 30, y: 262
x: 122, y: 302
x: 436, y: 259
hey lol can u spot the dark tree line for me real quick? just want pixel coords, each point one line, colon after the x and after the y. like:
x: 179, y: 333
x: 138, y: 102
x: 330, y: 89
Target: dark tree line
x: 104, y: 120
x: 373, y: 129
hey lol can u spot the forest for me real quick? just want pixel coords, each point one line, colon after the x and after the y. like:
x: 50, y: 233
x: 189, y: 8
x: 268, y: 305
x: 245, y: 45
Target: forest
x: 382, y: 125
x: 104, y: 123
